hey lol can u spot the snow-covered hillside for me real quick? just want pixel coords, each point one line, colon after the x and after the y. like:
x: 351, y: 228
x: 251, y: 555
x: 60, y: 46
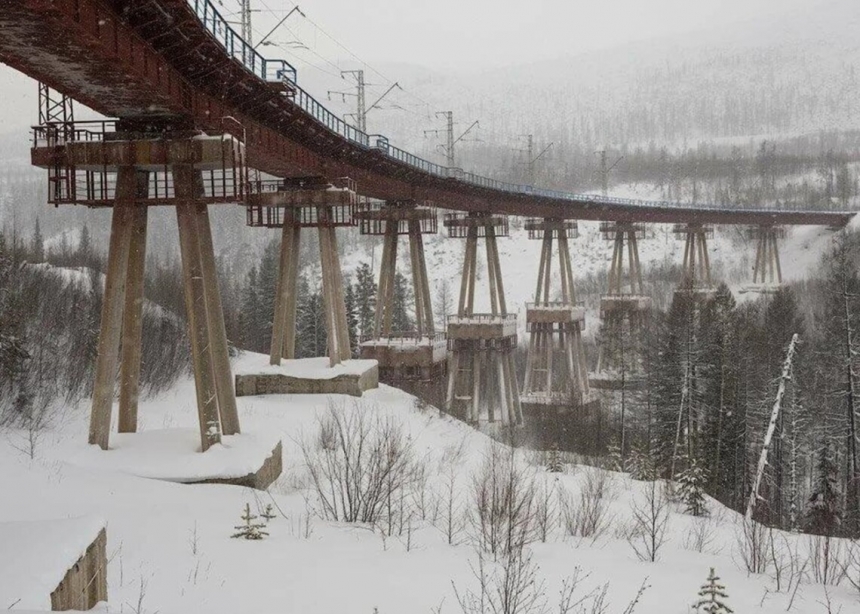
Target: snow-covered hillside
x: 170, y: 549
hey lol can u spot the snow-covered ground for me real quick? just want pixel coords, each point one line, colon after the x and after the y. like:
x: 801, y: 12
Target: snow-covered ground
x: 170, y: 548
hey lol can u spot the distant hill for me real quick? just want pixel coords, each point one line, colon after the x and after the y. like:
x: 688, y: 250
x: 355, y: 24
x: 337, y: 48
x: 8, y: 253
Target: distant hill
x: 794, y: 72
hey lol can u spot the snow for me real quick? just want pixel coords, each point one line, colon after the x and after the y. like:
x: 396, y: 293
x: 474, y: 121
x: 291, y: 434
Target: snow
x: 170, y: 548
x: 174, y: 455
x: 250, y: 363
x: 36, y: 555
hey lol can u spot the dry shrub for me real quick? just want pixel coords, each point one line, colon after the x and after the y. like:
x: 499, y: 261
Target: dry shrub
x: 701, y: 534
x: 751, y: 539
x: 588, y: 515
x: 360, y: 463
x: 827, y: 559
x: 503, y: 514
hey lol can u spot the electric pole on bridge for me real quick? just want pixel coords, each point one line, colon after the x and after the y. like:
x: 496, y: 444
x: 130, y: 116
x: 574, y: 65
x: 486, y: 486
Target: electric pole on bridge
x: 360, y: 107
x: 449, y: 134
x: 531, y: 159
x: 361, y: 110
x: 246, y: 22
x: 605, y: 170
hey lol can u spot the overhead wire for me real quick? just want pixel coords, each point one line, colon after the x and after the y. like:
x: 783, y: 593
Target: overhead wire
x: 426, y: 112
x: 332, y: 38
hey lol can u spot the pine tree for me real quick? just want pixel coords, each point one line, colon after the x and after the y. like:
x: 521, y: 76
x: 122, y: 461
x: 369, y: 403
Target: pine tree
x: 403, y: 302
x: 351, y: 317
x: 841, y: 323
x: 712, y: 596
x: 250, y: 529
x: 310, y: 322
x: 691, y: 487
x: 266, y: 287
x: 641, y: 466
x: 84, y: 254
x: 554, y: 462
x: 365, y: 299
x: 37, y: 248
x: 719, y: 333
x: 252, y: 337
x: 444, y: 303
x: 823, y: 516
x: 268, y: 513
x: 614, y: 461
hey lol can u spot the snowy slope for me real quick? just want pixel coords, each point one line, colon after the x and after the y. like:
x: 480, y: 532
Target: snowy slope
x: 170, y: 549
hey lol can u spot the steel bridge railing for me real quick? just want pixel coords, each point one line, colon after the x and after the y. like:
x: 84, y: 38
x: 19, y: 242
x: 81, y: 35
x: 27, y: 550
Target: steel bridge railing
x: 281, y: 71
x: 238, y: 48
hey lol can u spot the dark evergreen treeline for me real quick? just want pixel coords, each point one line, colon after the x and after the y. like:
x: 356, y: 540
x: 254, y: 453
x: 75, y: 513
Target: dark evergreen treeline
x: 711, y: 367
x: 256, y: 305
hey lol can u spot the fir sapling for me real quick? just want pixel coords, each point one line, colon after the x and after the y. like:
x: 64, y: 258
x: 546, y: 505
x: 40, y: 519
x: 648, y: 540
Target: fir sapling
x: 712, y: 597
x: 250, y: 529
x: 268, y: 513
x: 691, y: 487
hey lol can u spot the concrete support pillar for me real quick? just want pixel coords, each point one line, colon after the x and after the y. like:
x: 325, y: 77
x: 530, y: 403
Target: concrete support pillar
x: 481, y: 379
x: 697, y: 263
x: 184, y: 178
x: 217, y: 330
x: 333, y: 295
x: 555, y: 366
x: 622, y: 308
x: 767, y: 269
x: 132, y: 320
x: 385, y: 288
x: 112, y: 307
x: 284, y: 320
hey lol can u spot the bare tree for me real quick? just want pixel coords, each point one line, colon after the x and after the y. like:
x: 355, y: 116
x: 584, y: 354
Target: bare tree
x: 452, y: 521
x: 546, y: 509
x: 701, y: 535
x: 771, y: 427
x: 650, y: 521
x: 503, y: 503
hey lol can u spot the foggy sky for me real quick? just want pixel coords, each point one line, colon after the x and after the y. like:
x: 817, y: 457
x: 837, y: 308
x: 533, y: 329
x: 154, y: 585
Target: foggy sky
x: 492, y: 33
x: 458, y: 34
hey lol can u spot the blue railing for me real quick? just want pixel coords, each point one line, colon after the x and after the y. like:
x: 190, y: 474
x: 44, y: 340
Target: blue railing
x: 238, y: 49
x: 281, y: 71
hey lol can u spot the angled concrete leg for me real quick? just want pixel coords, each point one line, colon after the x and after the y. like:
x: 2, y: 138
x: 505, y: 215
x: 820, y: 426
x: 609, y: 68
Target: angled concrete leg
x: 452, y: 380
x: 112, y: 307
x: 132, y: 323
x: 285, y: 292
x: 195, y: 305
x: 217, y: 330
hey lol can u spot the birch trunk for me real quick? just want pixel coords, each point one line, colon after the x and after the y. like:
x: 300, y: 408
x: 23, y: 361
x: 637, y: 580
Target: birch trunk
x: 771, y: 427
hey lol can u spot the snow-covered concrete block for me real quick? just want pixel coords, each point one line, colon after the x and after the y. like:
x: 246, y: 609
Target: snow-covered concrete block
x: 307, y: 376
x: 53, y: 564
x: 173, y: 455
